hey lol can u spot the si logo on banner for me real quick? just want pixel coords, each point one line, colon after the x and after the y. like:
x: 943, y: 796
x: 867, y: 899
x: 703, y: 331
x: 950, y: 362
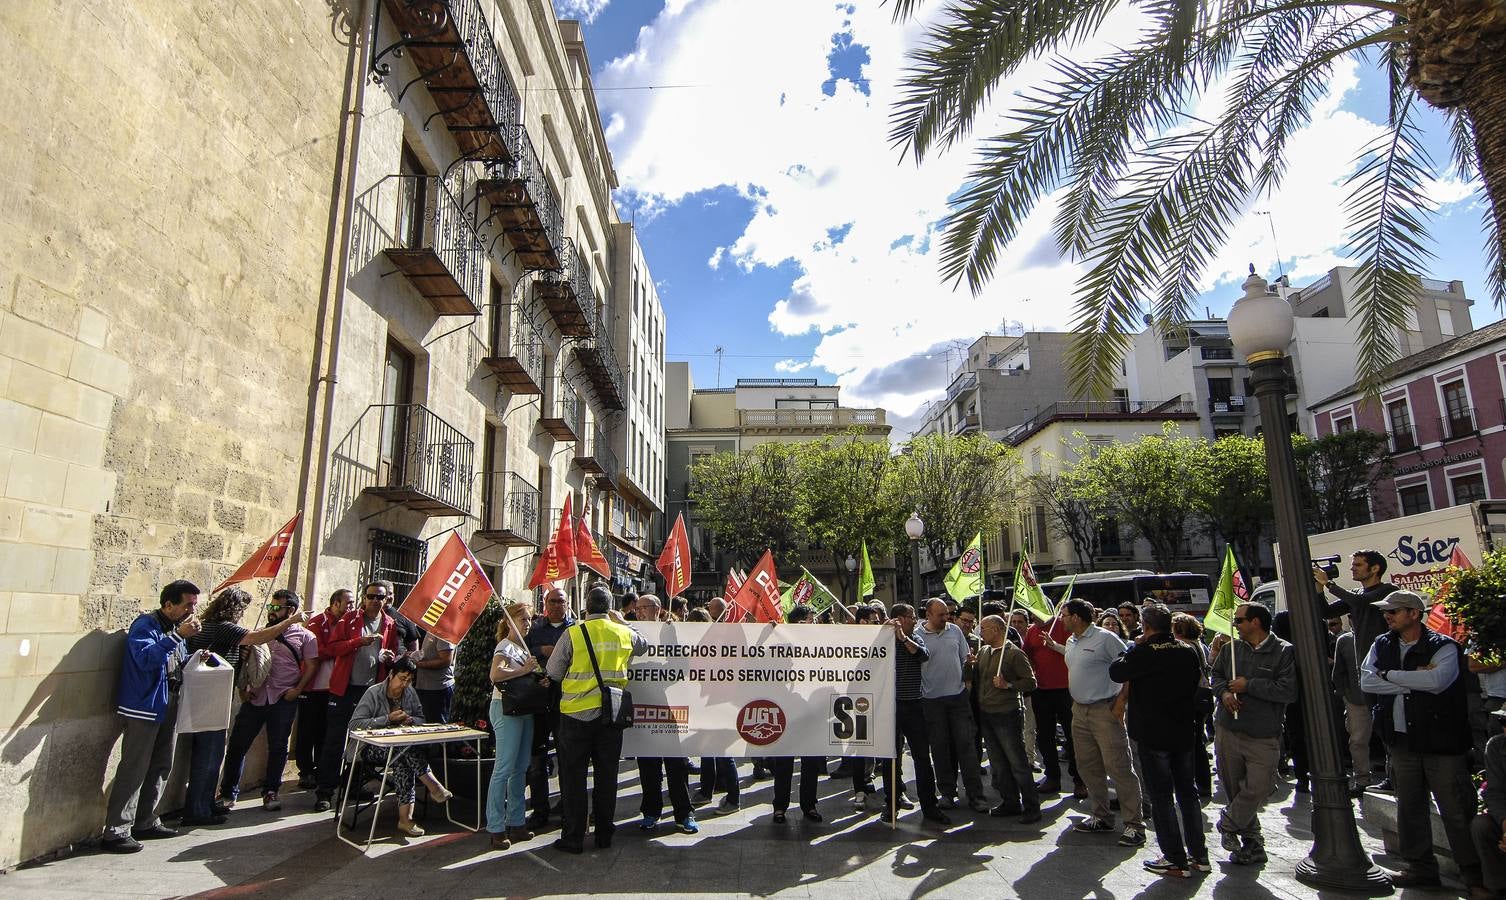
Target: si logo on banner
x: 849, y: 718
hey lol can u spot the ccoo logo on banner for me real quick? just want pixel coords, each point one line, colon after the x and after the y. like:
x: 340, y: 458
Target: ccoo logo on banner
x: 762, y: 690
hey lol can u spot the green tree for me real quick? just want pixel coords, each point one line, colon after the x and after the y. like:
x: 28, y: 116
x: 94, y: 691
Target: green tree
x: 1150, y: 486
x: 752, y: 501
x: 1234, y: 495
x: 1148, y: 193
x: 1075, y: 510
x: 847, y: 501
x: 1338, y: 474
x: 959, y: 485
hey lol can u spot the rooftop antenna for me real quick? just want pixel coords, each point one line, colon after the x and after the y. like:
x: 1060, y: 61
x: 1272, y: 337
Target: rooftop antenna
x: 1271, y: 221
x: 718, y: 352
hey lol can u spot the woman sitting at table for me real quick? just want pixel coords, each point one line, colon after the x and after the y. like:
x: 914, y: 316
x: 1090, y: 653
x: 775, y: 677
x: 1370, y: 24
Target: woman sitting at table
x: 392, y: 704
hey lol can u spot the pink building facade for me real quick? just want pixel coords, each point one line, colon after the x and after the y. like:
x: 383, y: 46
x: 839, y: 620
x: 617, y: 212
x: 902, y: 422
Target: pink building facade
x: 1444, y: 416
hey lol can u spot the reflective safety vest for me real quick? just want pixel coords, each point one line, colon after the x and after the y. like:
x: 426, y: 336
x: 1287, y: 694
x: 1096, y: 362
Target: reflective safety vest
x: 614, y: 647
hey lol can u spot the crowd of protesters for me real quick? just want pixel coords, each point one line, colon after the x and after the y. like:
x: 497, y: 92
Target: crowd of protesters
x: 1127, y: 701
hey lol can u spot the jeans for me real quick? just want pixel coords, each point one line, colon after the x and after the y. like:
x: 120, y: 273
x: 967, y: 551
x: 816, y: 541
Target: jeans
x: 1103, y: 753
x: 277, y: 718
x: 651, y: 771
x: 313, y: 707
x: 1446, y: 777
x: 146, y: 756
x: 336, y: 728
x: 1053, y: 707
x: 595, y: 744
x: 208, y: 751
x: 504, y: 796
x: 811, y: 769
x: 910, y: 727
x: 949, y: 722
x: 436, y: 704
x: 719, y: 772
x: 1172, y: 786
x: 1008, y: 763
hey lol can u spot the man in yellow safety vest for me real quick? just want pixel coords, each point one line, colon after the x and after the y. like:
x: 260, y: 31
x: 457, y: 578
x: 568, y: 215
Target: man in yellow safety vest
x: 585, y: 734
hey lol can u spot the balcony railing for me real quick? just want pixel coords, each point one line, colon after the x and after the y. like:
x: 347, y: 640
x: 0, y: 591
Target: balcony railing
x: 567, y: 293
x: 1088, y: 410
x: 525, y: 204
x: 594, y: 455
x: 1402, y: 441
x: 1457, y: 424
x: 417, y: 222
x: 509, y: 510
x: 811, y: 418
x: 966, y: 424
x: 1216, y: 352
x: 418, y: 459
x: 599, y: 361
x: 453, y: 49
x: 562, y: 412
x: 517, y: 352
x: 1226, y: 406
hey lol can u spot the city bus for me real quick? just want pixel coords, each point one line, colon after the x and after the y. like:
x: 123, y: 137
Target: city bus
x: 1181, y: 591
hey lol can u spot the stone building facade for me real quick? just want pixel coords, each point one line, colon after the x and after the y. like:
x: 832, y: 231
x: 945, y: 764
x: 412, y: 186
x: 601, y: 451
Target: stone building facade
x: 254, y: 264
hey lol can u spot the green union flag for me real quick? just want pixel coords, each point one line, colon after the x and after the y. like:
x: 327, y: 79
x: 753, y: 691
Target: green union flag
x: 966, y: 578
x: 866, y: 584
x: 1027, y: 590
x: 1230, y: 593
x: 809, y: 590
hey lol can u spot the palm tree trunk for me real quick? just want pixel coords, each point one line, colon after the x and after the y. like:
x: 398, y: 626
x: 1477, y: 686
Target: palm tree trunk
x: 1484, y: 102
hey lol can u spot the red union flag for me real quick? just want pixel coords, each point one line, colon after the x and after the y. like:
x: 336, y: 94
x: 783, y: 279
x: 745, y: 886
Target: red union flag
x: 564, y: 542
x: 547, y: 570
x: 674, y: 560
x: 588, y: 554
x: 267, y: 560
x: 450, y: 594
x: 1438, y: 619
x: 760, y: 592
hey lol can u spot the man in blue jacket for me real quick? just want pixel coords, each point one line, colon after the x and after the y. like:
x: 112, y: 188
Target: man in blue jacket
x: 148, y: 708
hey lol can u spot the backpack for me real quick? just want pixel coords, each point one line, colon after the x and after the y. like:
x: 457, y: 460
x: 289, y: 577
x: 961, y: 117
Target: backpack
x: 256, y: 664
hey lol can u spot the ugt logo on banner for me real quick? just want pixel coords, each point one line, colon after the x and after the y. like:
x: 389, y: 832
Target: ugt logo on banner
x: 761, y: 722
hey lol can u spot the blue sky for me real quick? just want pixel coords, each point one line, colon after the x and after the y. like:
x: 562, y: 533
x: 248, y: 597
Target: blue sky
x: 782, y: 227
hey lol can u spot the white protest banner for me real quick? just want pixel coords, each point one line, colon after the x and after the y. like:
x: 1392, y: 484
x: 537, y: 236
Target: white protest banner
x: 762, y: 690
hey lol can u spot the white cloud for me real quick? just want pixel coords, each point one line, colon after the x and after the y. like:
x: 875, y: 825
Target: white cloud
x: 757, y: 120
x: 791, y: 366
x: 585, y: 10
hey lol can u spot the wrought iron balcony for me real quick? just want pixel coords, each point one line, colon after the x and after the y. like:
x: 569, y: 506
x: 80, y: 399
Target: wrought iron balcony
x: 594, y: 455
x: 966, y: 424
x: 599, y: 361
x: 453, y: 49
x: 418, y: 224
x: 525, y: 205
x: 1402, y: 441
x: 1458, y: 423
x: 1226, y: 406
x: 509, y: 510
x: 562, y: 412
x: 517, y: 352
x: 568, y: 295
x: 415, y: 457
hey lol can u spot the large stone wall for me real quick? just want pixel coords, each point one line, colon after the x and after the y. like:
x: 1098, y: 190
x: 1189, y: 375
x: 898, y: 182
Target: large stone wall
x: 166, y: 201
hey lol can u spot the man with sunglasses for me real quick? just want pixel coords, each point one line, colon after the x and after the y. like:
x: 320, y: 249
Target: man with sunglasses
x: 1423, y: 717
x: 361, y: 647
x: 273, y: 705
x: 1254, y: 678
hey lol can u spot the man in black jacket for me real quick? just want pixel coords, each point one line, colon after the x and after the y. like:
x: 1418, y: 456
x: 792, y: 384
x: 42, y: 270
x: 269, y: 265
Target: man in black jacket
x: 1417, y: 674
x: 1163, y: 675
x: 1486, y: 830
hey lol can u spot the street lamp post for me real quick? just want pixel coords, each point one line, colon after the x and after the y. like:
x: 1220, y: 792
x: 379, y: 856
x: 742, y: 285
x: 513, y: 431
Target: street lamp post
x: 852, y: 568
x: 1261, y: 325
x: 915, y: 529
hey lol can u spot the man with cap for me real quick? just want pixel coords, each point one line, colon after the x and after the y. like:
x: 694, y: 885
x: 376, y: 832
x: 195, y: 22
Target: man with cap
x: 1424, y: 720
x: 1490, y: 841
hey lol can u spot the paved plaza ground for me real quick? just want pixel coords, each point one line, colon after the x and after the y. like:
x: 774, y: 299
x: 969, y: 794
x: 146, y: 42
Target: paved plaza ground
x: 294, y: 853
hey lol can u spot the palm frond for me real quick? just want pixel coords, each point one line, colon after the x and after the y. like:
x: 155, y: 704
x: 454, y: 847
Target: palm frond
x: 904, y: 9
x: 975, y: 45
x: 1463, y: 155
x: 1388, y: 211
x: 1495, y: 257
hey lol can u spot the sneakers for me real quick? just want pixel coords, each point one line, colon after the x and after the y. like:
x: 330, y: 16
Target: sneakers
x: 649, y: 823
x: 1199, y: 865
x: 321, y: 805
x: 269, y: 801
x: 1132, y: 837
x: 689, y: 826
x: 1092, y: 826
x: 1253, y: 855
x: 1228, y: 838
x: 948, y: 801
x: 1166, y: 868
x: 904, y: 802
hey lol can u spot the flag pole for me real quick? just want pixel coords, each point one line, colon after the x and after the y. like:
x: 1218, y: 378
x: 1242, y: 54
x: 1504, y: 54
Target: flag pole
x: 899, y: 786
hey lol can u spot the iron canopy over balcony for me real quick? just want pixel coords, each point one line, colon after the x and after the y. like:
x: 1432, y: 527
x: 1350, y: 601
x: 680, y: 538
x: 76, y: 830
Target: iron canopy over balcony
x: 509, y: 510
x: 568, y: 295
x: 421, y: 461
x: 525, y: 204
x: 561, y: 417
x: 594, y: 456
x: 432, y: 242
x: 456, y: 56
x: 599, y: 362
x: 516, y: 354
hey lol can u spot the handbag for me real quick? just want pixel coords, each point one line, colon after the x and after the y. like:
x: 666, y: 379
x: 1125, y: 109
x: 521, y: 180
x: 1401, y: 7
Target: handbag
x: 524, y: 695
x: 617, y: 703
